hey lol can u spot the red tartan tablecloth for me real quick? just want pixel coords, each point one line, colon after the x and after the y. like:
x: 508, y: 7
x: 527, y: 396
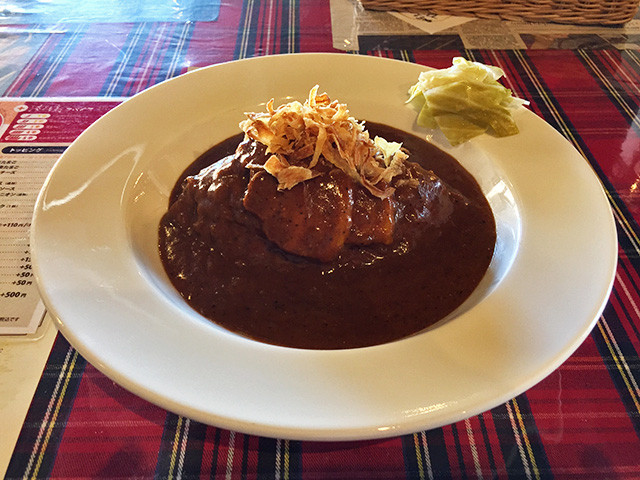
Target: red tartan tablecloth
x: 581, y: 421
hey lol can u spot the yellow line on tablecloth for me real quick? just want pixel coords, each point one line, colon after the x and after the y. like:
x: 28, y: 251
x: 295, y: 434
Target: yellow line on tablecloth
x: 174, y: 450
x: 623, y: 72
x: 291, y: 44
x: 286, y: 460
x: 619, y: 216
x: 55, y: 415
x: 518, y: 438
x: 618, y: 358
x: 518, y: 435
x: 282, y: 460
x: 418, y: 456
x: 614, y: 93
x: 523, y: 429
x: 183, y: 446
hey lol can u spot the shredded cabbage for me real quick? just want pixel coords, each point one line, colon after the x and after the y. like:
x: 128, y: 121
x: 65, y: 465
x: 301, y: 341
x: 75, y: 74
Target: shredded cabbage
x: 465, y: 100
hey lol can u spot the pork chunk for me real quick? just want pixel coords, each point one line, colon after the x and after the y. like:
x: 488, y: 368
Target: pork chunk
x: 312, y: 219
x: 373, y: 219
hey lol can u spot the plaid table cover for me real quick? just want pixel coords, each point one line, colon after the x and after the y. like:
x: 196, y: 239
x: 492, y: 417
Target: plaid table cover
x: 582, y: 421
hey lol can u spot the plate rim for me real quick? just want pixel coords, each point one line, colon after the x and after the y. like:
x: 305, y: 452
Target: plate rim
x: 274, y: 430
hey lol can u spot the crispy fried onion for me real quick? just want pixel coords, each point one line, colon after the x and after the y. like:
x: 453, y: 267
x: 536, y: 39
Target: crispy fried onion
x: 300, y: 137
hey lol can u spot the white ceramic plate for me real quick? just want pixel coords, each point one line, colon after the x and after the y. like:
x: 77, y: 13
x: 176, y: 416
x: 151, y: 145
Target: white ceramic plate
x: 97, y: 266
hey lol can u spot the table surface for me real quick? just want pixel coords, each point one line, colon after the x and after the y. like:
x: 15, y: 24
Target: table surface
x: 62, y: 418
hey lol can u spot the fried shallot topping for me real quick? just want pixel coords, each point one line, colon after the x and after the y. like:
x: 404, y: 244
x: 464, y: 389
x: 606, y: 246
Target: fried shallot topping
x: 302, y: 138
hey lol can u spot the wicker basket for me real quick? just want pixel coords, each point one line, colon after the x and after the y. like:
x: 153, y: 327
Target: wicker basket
x: 577, y: 12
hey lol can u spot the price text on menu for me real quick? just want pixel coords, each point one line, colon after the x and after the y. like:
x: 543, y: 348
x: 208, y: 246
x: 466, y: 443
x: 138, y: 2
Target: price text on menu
x: 33, y: 135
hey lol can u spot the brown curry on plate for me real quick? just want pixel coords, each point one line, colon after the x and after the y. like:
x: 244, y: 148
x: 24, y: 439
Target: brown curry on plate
x: 308, y: 231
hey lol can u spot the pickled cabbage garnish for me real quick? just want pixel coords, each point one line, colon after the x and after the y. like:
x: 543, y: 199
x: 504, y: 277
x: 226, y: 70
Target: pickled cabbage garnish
x: 465, y: 100
x: 301, y: 137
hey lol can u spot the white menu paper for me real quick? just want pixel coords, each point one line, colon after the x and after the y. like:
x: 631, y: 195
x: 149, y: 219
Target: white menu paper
x: 33, y: 135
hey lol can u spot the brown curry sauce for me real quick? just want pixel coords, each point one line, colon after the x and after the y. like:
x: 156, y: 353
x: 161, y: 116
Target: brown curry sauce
x: 218, y: 257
